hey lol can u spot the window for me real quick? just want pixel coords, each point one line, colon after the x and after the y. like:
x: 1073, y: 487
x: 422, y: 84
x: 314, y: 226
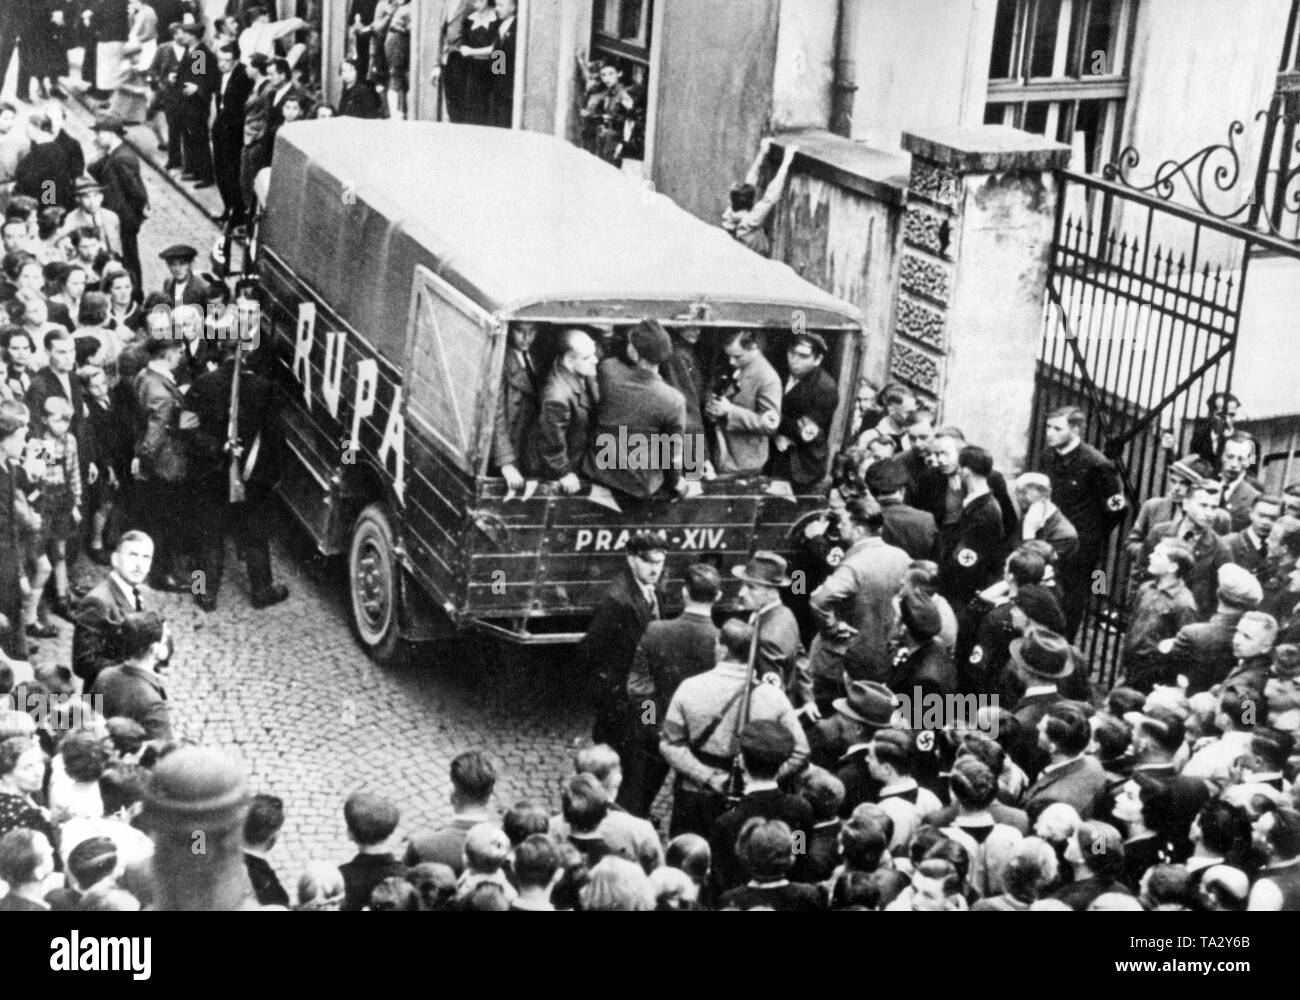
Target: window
x: 621, y: 32
x: 1288, y: 70
x: 1060, y: 68
x: 614, y: 110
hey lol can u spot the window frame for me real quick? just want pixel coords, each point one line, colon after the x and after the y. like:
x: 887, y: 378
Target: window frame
x: 1062, y: 92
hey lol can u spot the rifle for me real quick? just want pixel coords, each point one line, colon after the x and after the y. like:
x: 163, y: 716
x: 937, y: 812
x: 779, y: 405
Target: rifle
x: 736, y: 782
x: 238, y: 494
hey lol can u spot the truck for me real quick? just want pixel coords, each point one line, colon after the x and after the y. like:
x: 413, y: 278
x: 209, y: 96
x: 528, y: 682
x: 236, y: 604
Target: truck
x: 394, y: 258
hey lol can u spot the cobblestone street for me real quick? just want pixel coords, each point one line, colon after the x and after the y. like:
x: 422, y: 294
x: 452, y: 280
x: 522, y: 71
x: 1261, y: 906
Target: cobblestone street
x: 289, y: 691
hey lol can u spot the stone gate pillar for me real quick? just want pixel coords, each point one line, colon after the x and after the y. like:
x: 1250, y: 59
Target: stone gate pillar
x: 977, y: 235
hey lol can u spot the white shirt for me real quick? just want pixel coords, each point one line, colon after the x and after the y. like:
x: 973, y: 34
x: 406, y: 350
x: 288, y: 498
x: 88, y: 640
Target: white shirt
x: 1214, y: 762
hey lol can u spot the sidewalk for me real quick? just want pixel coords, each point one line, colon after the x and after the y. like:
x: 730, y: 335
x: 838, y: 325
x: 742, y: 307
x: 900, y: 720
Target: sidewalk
x: 145, y: 144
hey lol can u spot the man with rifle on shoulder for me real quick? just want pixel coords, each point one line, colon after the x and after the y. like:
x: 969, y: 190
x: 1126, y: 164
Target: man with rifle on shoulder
x: 701, y: 731
x: 235, y: 459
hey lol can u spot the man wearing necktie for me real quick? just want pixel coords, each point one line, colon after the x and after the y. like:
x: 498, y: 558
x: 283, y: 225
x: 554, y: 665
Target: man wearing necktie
x: 1249, y: 546
x: 626, y: 608
x: 1209, y: 551
x: 516, y: 405
x: 1239, y: 492
x: 97, y: 631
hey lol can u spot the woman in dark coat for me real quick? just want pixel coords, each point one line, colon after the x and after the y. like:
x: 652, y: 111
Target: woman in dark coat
x: 478, y: 41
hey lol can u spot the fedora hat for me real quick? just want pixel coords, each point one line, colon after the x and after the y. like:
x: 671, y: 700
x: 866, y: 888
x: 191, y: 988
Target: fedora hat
x: 767, y: 569
x: 1042, y: 653
x: 867, y: 702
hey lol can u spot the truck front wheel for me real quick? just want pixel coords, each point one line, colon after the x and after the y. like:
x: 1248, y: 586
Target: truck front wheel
x: 373, y: 586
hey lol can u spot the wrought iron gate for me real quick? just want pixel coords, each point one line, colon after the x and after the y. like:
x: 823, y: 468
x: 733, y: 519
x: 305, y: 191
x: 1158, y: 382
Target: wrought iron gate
x: 1140, y: 323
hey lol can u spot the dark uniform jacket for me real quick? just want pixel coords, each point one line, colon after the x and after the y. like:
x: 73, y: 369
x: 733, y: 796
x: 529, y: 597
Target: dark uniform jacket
x: 563, y: 434
x: 359, y: 101
x: 929, y: 667
x: 973, y: 558
x: 643, y: 403
x: 816, y: 397
x: 199, y: 67
x: 1087, y: 489
x: 909, y: 529
x: 770, y: 804
x: 1203, y: 651
x: 46, y: 164
x: 516, y: 410
x: 259, y: 420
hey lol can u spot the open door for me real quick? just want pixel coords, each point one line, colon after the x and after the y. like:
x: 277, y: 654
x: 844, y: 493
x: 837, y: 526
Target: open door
x: 448, y: 363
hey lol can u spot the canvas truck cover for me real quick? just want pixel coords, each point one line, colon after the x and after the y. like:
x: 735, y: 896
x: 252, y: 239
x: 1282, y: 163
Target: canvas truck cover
x: 524, y: 224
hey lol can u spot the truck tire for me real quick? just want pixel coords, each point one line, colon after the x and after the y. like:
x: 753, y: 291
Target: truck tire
x: 373, y: 586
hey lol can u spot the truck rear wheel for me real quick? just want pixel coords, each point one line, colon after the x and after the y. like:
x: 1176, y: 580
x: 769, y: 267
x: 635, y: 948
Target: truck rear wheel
x: 373, y: 586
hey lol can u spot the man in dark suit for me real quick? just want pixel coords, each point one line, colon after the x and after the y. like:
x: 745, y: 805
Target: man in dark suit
x: 627, y: 607
x: 97, y: 628
x: 58, y: 378
x: 233, y: 88
x: 1071, y: 775
x: 668, y: 653
x: 165, y: 72
x: 1238, y: 490
x: 942, y: 491
x: 1214, y: 429
x: 972, y: 556
x: 811, y: 398
x: 516, y: 405
x: 1043, y: 660
x: 1087, y: 488
x: 257, y: 454
x: 261, y: 830
x: 45, y: 173
x: 1248, y: 548
x: 258, y: 133
x: 134, y: 690
x: 556, y: 449
x: 765, y: 746
x: 502, y: 104
x: 919, y: 659
x: 639, y: 408
x: 906, y: 527
x: 196, y: 76
x: 118, y: 170
x: 1203, y: 650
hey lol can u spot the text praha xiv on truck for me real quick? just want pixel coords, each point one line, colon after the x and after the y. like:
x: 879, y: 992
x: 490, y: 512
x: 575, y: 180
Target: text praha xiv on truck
x: 394, y: 259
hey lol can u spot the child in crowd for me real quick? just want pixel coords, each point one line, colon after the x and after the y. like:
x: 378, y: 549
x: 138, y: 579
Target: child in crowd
x: 486, y: 850
x: 106, y: 432
x: 371, y: 821
x: 59, y: 500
